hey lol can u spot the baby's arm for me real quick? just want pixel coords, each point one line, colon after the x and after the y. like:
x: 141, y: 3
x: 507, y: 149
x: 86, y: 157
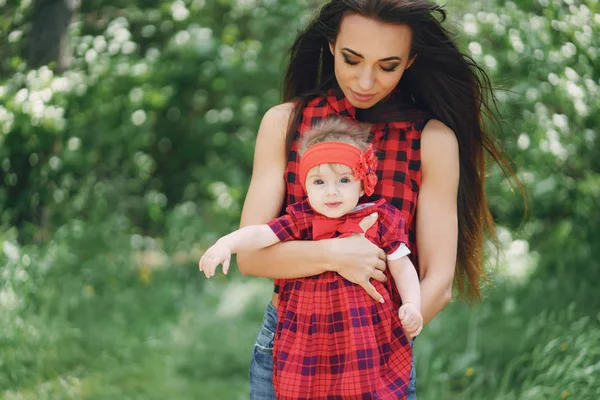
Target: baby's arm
x: 407, y: 282
x: 251, y: 237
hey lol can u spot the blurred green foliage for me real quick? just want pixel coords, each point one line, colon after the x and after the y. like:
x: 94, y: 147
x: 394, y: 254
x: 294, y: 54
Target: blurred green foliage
x: 116, y: 173
x: 160, y: 102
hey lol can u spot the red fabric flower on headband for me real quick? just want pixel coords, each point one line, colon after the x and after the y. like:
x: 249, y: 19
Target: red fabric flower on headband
x: 365, y: 170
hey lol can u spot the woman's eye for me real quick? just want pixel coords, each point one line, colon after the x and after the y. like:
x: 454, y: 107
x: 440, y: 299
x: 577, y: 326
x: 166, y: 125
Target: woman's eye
x: 349, y: 62
x: 389, y: 69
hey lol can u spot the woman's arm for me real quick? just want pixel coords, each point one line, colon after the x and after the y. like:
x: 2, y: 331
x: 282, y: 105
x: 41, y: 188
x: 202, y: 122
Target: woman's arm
x: 354, y: 257
x: 437, y: 220
x: 264, y: 201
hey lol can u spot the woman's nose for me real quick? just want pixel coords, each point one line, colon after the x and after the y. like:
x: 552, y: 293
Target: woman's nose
x: 366, y: 79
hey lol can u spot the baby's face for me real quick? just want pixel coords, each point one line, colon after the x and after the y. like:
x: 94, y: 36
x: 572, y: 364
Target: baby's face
x: 332, y: 189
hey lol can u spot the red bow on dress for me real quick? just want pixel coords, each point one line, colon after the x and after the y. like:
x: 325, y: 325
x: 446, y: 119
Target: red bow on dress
x: 326, y: 228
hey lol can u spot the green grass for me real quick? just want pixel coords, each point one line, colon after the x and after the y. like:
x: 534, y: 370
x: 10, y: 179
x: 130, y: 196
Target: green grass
x: 82, y: 319
x: 155, y: 340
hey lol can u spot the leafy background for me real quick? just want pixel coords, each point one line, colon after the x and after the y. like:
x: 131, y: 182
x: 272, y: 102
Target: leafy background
x: 129, y: 151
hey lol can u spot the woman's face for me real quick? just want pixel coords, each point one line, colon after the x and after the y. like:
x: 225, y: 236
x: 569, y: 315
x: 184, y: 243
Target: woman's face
x: 370, y: 58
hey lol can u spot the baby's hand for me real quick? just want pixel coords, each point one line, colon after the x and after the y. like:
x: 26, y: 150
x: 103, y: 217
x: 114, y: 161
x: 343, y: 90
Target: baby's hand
x: 217, y: 254
x: 412, y: 320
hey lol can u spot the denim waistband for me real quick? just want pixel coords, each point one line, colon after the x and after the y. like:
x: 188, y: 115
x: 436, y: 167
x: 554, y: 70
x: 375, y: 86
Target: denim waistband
x: 270, y: 319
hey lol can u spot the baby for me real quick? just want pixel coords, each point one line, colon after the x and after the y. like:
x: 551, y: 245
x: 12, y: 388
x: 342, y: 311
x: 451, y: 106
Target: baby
x: 331, y: 335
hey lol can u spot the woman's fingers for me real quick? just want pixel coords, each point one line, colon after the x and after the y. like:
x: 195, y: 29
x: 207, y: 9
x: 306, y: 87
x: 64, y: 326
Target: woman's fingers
x: 381, y: 263
x: 378, y: 276
x: 371, y: 291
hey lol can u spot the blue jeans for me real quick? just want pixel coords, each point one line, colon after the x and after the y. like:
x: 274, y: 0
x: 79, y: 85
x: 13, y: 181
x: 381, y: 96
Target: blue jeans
x: 261, y: 366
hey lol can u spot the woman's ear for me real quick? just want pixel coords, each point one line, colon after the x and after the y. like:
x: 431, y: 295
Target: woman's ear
x: 411, y: 61
x: 332, y: 48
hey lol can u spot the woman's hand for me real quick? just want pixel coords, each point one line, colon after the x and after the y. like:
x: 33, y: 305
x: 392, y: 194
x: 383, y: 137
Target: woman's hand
x: 358, y: 260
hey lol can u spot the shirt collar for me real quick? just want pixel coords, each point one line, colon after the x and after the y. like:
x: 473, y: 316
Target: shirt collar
x: 403, y: 110
x: 340, y: 103
x: 342, y: 106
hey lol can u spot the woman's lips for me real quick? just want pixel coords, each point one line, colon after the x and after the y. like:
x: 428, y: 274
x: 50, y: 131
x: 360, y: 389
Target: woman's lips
x: 361, y: 96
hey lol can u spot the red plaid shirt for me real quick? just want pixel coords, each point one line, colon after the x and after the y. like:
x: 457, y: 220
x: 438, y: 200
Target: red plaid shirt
x: 333, y: 341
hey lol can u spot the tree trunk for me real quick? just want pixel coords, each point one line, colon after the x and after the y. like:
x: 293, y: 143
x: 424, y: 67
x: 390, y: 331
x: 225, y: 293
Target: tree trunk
x: 48, y: 41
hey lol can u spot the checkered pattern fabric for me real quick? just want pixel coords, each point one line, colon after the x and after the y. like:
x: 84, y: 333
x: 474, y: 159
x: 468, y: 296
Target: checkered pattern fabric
x: 333, y: 341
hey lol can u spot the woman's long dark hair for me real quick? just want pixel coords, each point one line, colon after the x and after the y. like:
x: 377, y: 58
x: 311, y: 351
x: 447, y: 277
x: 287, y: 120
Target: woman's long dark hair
x: 442, y: 81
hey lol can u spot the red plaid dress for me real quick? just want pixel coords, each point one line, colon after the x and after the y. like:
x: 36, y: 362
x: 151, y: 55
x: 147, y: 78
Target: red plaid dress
x: 334, y: 340
x: 365, y: 372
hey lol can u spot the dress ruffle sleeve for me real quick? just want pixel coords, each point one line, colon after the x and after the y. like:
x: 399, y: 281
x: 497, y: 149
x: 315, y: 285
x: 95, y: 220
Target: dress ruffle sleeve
x: 295, y: 223
x: 392, y: 231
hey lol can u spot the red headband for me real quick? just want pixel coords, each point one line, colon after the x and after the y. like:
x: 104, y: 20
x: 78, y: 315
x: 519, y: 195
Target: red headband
x: 363, y: 164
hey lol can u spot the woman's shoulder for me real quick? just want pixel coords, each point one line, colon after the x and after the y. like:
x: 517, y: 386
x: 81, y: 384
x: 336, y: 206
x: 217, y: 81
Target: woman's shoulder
x: 279, y: 113
x: 439, y: 144
x: 437, y: 134
x: 435, y: 127
x: 274, y: 123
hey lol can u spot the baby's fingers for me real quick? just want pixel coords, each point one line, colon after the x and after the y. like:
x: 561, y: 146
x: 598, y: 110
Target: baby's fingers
x: 226, y: 262
x: 202, y: 266
x: 214, y: 263
x: 402, y: 313
x: 209, y: 265
x: 418, y: 331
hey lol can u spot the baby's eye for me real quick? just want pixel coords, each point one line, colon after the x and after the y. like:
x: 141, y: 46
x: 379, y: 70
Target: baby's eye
x: 345, y: 180
x: 318, y: 182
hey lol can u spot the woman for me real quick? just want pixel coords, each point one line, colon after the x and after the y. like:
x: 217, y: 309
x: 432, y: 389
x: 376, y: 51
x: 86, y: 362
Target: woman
x: 390, y: 65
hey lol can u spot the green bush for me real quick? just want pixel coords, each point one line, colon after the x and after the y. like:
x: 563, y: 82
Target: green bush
x: 544, y: 57
x: 160, y: 102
